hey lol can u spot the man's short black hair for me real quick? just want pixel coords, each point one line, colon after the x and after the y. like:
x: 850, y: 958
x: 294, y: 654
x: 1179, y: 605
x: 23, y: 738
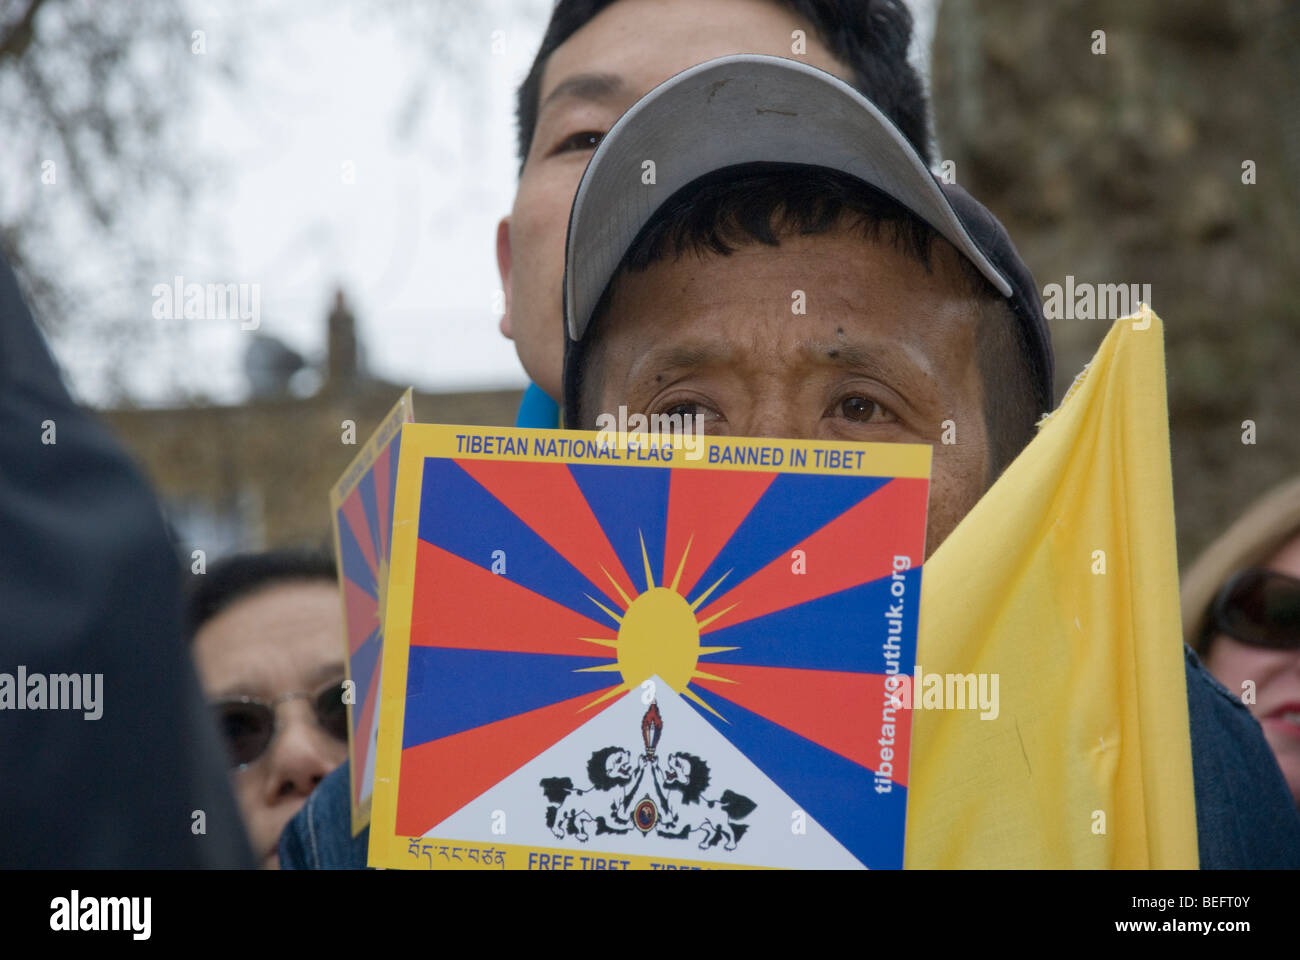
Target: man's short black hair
x: 869, y: 36
x: 761, y: 202
x: 242, y: 575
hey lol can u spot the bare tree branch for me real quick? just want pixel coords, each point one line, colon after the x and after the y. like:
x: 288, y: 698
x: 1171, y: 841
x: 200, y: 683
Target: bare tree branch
x: 18, y: 38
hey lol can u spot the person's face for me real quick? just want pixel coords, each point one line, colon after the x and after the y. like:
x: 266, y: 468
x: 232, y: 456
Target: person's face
x: 286, y: 638
x: 885, y: 352
x: 625, y: 51
x: 1276, y: 675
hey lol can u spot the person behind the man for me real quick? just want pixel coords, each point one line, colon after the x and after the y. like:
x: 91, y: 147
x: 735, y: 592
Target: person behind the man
x: 1241, y: 614
x: 597, y: 58
x: 267, y: 635
x: 796, y: 271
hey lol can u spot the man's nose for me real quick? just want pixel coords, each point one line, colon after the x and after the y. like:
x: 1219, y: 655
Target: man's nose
x: 301, y: 754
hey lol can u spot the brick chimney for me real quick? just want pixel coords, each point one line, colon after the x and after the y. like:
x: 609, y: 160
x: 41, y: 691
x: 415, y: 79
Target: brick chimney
x: 342, y: 371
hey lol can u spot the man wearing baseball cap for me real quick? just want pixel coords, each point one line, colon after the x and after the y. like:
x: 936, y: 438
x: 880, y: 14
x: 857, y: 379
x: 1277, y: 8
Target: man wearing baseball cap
x: 596, y: 59
x: 756, y: 244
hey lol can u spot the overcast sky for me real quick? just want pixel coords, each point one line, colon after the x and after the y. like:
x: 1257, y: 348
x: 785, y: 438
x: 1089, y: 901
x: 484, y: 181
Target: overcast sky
x: 411, y: 242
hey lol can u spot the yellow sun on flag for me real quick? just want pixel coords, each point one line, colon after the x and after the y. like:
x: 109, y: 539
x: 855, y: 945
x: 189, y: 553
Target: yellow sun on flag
x: 658, y: 633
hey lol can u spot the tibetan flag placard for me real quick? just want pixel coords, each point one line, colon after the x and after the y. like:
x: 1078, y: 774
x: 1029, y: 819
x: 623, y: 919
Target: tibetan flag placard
x: 605, y: 651
x: 361, y: 505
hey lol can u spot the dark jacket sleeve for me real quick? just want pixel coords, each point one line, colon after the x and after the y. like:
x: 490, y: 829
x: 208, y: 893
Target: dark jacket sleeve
x: 89, y: 585
x: 1245, y: 815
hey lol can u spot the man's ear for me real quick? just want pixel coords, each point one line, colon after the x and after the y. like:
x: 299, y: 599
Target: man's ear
x: 503, y: 268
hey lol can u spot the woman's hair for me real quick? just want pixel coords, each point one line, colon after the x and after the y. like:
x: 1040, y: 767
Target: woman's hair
x: 234, y: 578
x: 1264, y: 529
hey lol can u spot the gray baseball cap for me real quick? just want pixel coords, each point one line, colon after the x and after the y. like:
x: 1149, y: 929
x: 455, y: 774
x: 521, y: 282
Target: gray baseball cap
x: 751, y: 108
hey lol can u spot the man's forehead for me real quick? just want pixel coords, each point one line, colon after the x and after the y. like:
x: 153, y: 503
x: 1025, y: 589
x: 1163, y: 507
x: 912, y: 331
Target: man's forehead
x: 842, y: 274
x: 871, y: 310
x: 632, y: 46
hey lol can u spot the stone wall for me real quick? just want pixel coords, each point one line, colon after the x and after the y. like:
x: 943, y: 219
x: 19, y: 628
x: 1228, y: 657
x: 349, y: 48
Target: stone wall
x: 1126, y: 167
x: 278, y: 458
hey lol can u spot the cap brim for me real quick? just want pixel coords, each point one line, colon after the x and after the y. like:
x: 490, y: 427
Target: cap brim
x: 726, y: 112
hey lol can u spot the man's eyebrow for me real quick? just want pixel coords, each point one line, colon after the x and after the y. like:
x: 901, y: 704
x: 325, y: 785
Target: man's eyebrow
x: 585, y: 86
x: 848, y: 355
x: 242, y: 688
x: 680, y: 357
x: 326, y: 672
x: 875, y: 361
x: 237, y: 689
x: 880, y: 361
x: 883, y: 362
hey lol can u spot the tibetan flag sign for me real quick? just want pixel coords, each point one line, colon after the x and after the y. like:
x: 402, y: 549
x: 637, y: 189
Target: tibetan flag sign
x: 621, y: 654
x: 1063, y: 582
x: 361, y: 505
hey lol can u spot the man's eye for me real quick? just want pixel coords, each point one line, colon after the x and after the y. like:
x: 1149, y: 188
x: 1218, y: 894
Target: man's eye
x: 860, y: 409
x: 586, y: 140
x: 689, y: 408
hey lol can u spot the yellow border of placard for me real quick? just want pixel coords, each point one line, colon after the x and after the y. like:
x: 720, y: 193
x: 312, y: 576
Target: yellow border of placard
x: 402, y: 412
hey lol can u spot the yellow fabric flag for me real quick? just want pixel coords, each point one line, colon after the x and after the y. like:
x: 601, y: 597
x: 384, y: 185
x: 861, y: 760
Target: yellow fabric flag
x: 1063, y: 582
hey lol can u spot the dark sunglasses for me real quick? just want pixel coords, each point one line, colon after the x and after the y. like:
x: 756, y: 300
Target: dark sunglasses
x: 248, y: 724
x: 1259, y: 607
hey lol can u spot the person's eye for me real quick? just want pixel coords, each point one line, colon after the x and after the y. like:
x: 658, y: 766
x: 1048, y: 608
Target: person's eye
x: 860, y: 409
x: 583, y: 140
x: 689, y: 408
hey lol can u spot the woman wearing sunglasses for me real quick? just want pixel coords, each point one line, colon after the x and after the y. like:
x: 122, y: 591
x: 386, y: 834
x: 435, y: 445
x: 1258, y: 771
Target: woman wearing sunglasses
x: 268, y: 644
x: 1241, y: 613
